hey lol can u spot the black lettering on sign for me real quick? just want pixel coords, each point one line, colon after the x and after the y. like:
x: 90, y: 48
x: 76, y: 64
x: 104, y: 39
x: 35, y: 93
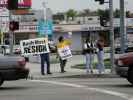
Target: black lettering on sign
x: 26, y: 50
x: 33, y: 49
x: 24, y: 43
x: 39, y: 48
x: 44, y: 48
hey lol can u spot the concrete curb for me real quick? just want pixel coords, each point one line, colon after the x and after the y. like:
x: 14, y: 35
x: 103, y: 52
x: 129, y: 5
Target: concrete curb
x: 93, y: 76
x: 75, y: 76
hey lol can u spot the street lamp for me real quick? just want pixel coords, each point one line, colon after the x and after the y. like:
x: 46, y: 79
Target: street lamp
x: 45, y: 14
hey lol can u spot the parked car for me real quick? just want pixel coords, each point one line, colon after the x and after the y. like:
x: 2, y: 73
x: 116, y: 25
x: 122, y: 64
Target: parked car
x: 16, y: 49
x: 12, y: 68
x: 124, y: 66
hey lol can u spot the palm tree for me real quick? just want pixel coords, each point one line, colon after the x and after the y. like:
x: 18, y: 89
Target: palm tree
x: 103, y: 13
x: 71, y: 14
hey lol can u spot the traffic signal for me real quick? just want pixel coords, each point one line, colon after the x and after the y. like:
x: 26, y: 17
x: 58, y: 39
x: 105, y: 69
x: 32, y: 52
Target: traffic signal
x: 14, y: 25
x: 100, y: 1
x: 12, y: 4
x: 103, y: 21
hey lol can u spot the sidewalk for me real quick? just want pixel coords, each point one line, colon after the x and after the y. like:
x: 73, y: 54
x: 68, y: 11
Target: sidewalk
x: 70, y: 72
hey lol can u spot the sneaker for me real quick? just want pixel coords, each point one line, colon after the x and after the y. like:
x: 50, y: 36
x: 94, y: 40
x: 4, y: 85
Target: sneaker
x: 87, y: 72
x: 63, y: 71
x: 49, y: 73
x: 42, y: 73
x: 91, y: 71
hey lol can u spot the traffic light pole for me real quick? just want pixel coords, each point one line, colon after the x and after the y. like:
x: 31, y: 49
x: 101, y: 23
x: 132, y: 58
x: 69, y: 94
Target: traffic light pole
x: 111, y: 36
x: 11, y: 34
x: 123, y: 33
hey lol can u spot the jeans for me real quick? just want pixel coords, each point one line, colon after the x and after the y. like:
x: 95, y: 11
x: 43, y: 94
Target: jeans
x: 89, y: 61
x: 45, y: 58
x: 100, y: 56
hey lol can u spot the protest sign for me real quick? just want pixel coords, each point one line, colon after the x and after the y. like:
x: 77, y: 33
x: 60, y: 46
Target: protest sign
x: 34, y: 46
x: 65, y: 52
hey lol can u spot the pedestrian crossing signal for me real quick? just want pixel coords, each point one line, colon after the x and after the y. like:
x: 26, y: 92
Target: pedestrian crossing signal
x: 100, y: 1
x: 12, y: 4
x: 14, y: 25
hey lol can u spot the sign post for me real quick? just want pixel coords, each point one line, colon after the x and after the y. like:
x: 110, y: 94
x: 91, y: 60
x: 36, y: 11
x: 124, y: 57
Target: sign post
x: 45, y: 27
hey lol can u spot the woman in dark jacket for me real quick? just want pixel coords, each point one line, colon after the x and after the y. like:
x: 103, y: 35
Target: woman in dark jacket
x: 89, y: 51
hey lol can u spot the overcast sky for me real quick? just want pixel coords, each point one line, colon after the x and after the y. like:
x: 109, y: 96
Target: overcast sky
x: 64, y: 5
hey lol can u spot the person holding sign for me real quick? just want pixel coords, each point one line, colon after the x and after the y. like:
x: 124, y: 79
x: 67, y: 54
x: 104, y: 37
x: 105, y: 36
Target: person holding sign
x: 63, y: 52
x: 37, y: 46
x: 45, y: 57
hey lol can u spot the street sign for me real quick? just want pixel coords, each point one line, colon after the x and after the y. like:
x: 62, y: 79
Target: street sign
x: 45, y: 27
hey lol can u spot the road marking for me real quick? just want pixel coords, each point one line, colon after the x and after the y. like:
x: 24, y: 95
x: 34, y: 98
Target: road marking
x: 114, y: 93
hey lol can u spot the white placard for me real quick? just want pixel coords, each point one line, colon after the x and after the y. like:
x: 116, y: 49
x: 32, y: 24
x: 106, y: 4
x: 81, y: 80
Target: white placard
x: 34, y: 46
x: 65, y: 52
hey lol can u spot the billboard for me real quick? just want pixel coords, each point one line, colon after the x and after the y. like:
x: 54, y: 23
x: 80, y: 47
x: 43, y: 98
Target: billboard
x: 24, y: 3
x: 3, y: 3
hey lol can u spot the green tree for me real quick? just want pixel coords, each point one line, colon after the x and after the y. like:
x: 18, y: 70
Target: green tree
x: 128, y: 14
x: 71, y: 14
x: 103, y: 13
x: 117, y: 13
x: 86, y: 12
x: 59, y: 16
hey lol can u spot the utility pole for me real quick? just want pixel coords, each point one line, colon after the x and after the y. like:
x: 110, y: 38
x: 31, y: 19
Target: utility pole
x: 45, y: 16
x: 1, y: 31
x: 10, y: 34
x: 123, y: 33
x: 111, y: 28
x: 111, y: 35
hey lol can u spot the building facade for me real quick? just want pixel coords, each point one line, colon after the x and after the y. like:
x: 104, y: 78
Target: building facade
x: 80, y: 29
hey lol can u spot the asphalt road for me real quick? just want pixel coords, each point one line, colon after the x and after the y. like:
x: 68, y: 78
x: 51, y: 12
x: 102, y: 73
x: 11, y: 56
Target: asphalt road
x: 68, y: 89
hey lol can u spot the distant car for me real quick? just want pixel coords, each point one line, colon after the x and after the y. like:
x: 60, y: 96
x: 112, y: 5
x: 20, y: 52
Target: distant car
x: 5, y: 49
x: 124, y: 66
x: 129, y: 49
x: 12, y: 68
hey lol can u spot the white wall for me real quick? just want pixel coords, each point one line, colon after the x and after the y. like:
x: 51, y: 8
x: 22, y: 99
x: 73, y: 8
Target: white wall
x: 76, y: 41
